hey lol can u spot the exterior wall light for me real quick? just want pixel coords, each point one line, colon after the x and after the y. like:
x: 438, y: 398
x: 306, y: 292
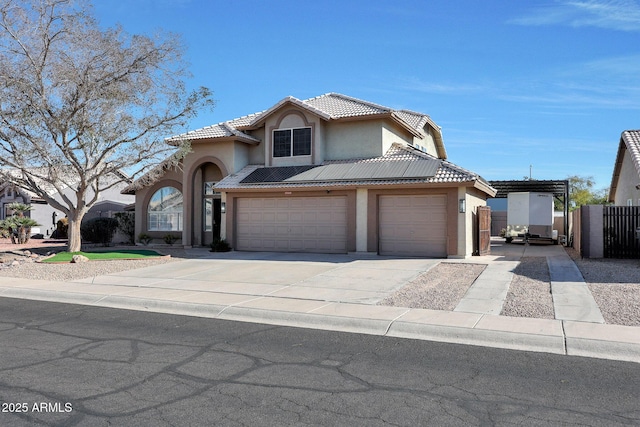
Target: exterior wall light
x: 462, y: 205
x: 223, y: 207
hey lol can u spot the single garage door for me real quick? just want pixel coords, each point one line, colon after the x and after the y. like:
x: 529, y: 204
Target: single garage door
x: 292, y: 224
x: 413, y: 225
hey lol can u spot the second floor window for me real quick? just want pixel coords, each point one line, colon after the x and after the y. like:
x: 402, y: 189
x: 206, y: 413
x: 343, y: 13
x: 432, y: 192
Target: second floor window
x: 292, y: 142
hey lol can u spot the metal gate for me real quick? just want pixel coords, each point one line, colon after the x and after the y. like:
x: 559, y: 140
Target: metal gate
x: 621, y: 231
x: 484, y: 230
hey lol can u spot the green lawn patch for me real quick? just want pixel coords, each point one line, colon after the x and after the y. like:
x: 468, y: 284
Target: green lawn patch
x: 105, y: 255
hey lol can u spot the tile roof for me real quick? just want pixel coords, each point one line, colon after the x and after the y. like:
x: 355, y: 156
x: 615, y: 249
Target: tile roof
x: 393, y: 169
x: 339, y: 106
x: 330, y: 106
x: 220, y: 130
x: 629, y: 140
x: 417, y: 120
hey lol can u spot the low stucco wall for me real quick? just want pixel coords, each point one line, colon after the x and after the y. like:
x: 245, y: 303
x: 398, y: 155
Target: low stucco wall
x: 592, y: 233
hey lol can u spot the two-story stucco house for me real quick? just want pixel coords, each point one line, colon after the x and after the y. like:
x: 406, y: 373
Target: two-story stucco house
x: 331, y: 174
x: 625, y: 183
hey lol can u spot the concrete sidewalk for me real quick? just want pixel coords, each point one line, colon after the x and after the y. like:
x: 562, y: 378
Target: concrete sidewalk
x: 572, y: 299
x: 332, y: 292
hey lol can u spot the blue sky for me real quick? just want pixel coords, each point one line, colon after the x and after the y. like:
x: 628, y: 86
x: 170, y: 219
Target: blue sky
x: 549, y: 83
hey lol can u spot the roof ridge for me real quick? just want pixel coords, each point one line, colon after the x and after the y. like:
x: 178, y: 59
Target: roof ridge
x: 417, y: 113
x: 352, y: 99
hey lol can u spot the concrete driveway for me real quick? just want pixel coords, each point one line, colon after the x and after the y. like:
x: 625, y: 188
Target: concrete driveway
x: 336, y: 278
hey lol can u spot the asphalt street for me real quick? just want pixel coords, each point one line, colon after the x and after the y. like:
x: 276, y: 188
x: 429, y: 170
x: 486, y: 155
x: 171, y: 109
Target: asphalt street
x: 64, y: 364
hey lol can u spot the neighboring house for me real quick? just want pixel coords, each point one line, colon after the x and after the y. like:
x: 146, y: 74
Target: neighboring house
x: 111, y: 200
x: 625, y: 183
x: 40, y: 210
x: 331, y: 174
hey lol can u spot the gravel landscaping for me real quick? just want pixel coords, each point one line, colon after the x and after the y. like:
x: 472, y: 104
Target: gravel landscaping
x: 440, y: 288
x: 530, y: 291
x: 614, y: 283
x: 21, y: 261
x: 67, y: 271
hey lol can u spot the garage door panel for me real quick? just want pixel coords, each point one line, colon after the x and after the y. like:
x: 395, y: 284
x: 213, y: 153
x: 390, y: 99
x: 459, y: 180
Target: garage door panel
x: 413, y: 225
x: 299, y: 224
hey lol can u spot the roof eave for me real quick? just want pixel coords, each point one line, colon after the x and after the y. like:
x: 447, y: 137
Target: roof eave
x: 442, y: 152
x: 415, y: 132
x: 228, y: 138
x: 290, y: 100
x: 622, y: 147
x: 483, y: 186
x: 341, y: 185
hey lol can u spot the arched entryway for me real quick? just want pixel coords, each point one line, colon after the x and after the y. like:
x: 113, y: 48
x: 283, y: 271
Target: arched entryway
x: 206, y: 213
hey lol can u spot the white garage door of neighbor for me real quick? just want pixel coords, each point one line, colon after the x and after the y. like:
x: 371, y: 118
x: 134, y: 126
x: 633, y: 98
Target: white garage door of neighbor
x: 413, y: 225
x: 292, y: 224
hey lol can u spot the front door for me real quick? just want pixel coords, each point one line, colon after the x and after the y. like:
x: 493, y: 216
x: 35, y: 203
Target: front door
x: 211, y: 214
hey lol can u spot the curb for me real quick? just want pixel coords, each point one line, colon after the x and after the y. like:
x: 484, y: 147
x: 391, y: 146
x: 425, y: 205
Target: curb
x: 613, y: 342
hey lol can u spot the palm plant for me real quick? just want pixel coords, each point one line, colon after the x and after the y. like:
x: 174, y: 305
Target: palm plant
x: 5, y: 228
x: 19, y: 225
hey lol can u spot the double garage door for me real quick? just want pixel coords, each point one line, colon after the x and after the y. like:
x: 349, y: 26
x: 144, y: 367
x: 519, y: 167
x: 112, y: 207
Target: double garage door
x: 292, y: 224
x: 413, y: 225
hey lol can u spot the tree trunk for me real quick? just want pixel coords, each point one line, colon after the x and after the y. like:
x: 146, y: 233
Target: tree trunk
x: 22, y: 235
x: 75, y: 241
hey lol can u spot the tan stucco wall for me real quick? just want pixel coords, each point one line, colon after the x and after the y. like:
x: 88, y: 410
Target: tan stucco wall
x: 362, y: 214
x: 224, y: 152
x: 392, y: 134
x: 257, y: 152
x: 427, y: 142
x: 468, y: 221
x: 627, y: 183
x: 353, y: 140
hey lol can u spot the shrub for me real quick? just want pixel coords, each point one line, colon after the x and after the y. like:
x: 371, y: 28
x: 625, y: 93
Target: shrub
x: 170, y: 239
x: 127, y: 225
x: 62, y: 229
x: 219, y: 245
x: 144, y: 238
x: 99, y: 230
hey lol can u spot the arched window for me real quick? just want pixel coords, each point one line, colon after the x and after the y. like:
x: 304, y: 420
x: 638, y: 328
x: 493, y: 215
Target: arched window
x: 165, y: 210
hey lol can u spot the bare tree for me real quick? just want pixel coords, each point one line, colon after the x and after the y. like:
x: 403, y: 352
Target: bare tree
x: 84, y: 108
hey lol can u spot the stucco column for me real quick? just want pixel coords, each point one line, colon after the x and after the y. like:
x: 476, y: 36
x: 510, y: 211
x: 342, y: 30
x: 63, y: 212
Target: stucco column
x: 196, y: 208
x: 362, y: 196
x: 223, y: 217
x: 463, y: 223
x: 187, y: 201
